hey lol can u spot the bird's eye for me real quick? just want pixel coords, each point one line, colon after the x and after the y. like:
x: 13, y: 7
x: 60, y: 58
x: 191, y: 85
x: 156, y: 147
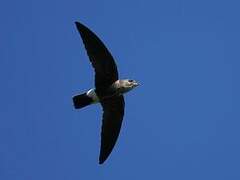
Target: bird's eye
x: 130, y: 80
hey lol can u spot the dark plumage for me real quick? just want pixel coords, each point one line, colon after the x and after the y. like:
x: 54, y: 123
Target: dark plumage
x: 108, y: 90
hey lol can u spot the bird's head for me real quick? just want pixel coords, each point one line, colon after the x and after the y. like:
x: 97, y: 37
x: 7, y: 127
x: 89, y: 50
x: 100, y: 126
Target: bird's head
x: 128, y: 84
x: 131, y: 83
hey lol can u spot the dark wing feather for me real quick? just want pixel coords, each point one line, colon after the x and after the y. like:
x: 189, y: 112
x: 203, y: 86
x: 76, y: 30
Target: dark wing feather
x: 105, y: 68
x: 113, y: 112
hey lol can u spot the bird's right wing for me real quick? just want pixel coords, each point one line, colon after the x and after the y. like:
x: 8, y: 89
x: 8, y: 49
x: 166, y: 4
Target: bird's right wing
x: 113, y: 112
x: 105, y: 68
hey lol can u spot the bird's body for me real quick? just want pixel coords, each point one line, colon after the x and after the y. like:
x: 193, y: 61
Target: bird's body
x: 108, y: 90
x: 119, y: 87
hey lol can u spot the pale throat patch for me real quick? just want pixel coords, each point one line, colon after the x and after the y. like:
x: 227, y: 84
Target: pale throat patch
x: 91, y: 93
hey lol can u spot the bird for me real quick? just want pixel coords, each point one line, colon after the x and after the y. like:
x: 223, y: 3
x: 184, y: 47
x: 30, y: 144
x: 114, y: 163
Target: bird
x: 108, y: 90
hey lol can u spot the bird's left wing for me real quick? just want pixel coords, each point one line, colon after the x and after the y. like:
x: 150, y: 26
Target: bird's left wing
x: 113, y: 112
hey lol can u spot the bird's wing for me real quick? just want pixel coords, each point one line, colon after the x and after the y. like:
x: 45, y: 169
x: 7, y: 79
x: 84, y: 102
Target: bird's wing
x: 102, y: 61
x: 113, y: 112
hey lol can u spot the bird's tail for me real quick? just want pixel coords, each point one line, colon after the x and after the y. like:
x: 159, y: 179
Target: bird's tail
x: 81, y: 100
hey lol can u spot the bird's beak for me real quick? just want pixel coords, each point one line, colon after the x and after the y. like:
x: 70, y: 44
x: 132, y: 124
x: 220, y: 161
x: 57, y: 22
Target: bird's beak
x: 136, y: 84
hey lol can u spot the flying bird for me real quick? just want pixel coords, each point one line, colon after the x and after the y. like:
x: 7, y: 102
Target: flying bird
x: 108, y: 91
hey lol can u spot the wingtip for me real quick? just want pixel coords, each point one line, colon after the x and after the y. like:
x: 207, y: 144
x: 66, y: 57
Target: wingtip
x: 77, y: 23
x: 80, y: 26
x: 101, y: 160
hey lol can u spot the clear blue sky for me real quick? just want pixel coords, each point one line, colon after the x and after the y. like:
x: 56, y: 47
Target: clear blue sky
x: 182, y: 123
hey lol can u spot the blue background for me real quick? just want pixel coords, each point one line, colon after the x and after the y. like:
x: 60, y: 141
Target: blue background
x: 181, y: 123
